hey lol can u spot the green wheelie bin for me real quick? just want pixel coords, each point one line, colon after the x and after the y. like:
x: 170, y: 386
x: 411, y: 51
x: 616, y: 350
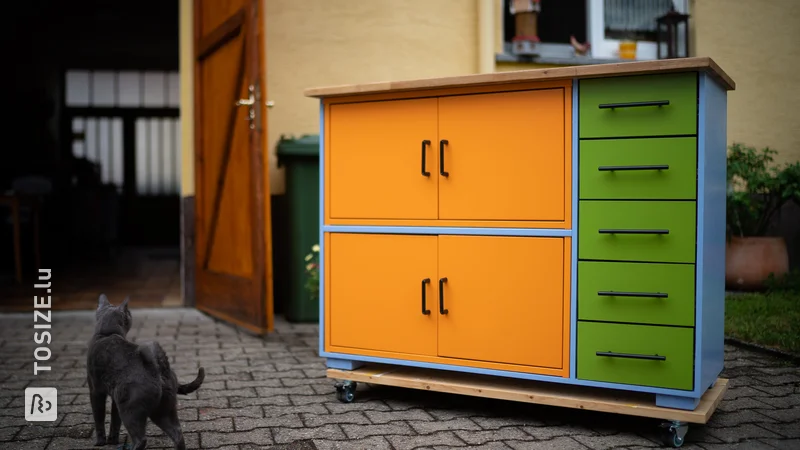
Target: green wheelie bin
x: 300, y: 157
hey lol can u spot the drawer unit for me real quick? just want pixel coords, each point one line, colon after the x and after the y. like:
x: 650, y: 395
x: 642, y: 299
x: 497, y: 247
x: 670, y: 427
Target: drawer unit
x: 644, y: 355
x: 641, y: 105
x: 524, y: 227
x: 645, y: 293
x: 639, y: 169
x: 653, y: 231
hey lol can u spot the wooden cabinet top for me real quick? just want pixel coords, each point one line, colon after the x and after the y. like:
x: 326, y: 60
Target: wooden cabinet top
x: 702, y: 64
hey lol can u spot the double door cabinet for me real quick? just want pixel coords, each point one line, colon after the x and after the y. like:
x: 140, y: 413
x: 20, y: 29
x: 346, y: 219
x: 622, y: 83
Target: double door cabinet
x: 566, y: 229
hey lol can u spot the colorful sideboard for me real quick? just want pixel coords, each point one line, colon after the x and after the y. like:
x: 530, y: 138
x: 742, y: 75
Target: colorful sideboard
x: 563, y: 225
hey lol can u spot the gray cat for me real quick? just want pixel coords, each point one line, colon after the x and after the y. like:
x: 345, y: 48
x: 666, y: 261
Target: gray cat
x: 137, y: 377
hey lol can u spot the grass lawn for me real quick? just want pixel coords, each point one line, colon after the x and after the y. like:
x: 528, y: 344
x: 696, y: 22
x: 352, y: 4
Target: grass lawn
x: 768, y: 319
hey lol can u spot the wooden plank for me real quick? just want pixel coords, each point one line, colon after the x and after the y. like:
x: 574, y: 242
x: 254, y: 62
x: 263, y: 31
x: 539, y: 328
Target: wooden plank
x: 542, y: 393
x: 702, y: 63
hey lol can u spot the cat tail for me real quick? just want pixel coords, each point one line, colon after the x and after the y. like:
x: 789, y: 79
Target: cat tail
x: 194, y: 385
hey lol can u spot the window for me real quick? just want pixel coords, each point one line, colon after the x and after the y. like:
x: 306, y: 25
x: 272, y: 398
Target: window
x: 604, y: 23
x: 101, y: 104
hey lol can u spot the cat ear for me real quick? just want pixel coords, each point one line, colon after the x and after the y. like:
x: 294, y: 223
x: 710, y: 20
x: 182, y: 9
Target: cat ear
x: 124, y: 304
x: 103, y: 302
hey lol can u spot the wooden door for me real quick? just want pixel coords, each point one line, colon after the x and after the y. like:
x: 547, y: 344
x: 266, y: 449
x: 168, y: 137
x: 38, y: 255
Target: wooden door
x: 504, y: 298
x: 505, y: 156
x: 233, y: 241
x: 376, y: 293
x: 376, y: 169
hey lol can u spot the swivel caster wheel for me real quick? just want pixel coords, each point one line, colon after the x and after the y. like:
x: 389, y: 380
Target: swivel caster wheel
x: 346, y: 391
x: 673, y: 433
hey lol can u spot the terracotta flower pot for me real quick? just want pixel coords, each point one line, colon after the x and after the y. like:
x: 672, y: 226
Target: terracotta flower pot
x: 750, y: 260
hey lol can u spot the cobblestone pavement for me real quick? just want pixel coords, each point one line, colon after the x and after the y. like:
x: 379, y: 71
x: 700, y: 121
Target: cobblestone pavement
x: 272, y: 393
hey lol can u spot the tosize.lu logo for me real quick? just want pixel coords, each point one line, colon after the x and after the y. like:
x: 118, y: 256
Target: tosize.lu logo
x: 41, y: 404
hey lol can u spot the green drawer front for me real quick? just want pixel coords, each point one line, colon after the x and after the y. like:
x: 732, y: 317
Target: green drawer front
x: 631, y: 216
x: 648, y: 168
x: 679, y: 117
x: 634, y: 293
x: 675, y: 344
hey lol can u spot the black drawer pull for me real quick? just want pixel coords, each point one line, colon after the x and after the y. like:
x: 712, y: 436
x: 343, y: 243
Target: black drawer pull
x: 633, y: 294
x: 442, y: 281
x: 620, y: 231
x: 615, y: 168
x: 425, y: 310
x: 425, y: 172
x: 632, y: 356
x: 633, y: 104
x: 442, y: 143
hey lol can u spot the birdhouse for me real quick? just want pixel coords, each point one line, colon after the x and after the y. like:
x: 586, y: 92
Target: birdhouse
x: 670, y: 33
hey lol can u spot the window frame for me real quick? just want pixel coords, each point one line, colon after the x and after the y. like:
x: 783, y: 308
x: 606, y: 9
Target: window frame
x: 607, y: 48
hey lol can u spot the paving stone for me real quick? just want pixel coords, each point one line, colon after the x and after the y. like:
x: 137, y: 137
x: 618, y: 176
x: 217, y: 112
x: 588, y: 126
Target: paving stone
x: 428, y: 427
x: 285, y: 435
x: 614, y: 441
x: 783, y: 444
x: 744, y: 432
x: 442, y: 438
x: 472, y: 437
x: 494, y: 423
x: 212, y: 439
x: 415, y: 414
x: 739, y: 417
x: 273, y: 392
x: 558, y: 443
x: 791, y: 415
x: 220, y: 424
x: 213, y: 413
x: 38, y: 444
x: 487, y: 446
x: 369, y: 443
x: 8, y: 433
x: 745, y: 445
x: 355, y: 431
x: 787, y: 430
x: 549, y: 432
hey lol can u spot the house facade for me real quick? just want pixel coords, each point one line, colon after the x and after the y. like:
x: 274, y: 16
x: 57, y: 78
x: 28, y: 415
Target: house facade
x: 316, y: 43
x: 311, y: 43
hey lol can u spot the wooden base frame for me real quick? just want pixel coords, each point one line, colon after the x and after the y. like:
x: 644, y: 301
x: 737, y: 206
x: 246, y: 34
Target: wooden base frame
x: 552, y: 394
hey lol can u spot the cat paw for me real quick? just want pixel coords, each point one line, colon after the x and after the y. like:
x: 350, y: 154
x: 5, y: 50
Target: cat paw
x: 113, y: 440
x: 100, y: 442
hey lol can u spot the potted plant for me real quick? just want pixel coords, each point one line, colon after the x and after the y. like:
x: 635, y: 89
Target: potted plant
x: 312, y: 273
x: 757, y: 190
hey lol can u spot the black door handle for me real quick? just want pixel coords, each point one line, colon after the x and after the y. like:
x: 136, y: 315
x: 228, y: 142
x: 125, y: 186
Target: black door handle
x: 614, y: 168
x: 424, y: 143
x: 442, y: 281
x: 425, y: 310
x: 442, y: 172
x: 632, y: 356
x: 621, y: 231
x: 633, y: 294
x: 633, y: 104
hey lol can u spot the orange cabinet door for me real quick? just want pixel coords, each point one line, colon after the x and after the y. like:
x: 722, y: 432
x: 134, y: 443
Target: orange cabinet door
x: 375, y: 160
x: 376, y: 291
x: 504, y: 299
x: 504, y: 156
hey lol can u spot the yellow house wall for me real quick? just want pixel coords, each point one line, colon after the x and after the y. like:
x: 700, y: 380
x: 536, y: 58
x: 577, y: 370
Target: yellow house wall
x: 316, y: 43
x: 186, y: 36
x: 756, y: 43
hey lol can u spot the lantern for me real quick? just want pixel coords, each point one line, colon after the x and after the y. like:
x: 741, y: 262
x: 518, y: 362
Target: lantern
x: 668, y: 27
